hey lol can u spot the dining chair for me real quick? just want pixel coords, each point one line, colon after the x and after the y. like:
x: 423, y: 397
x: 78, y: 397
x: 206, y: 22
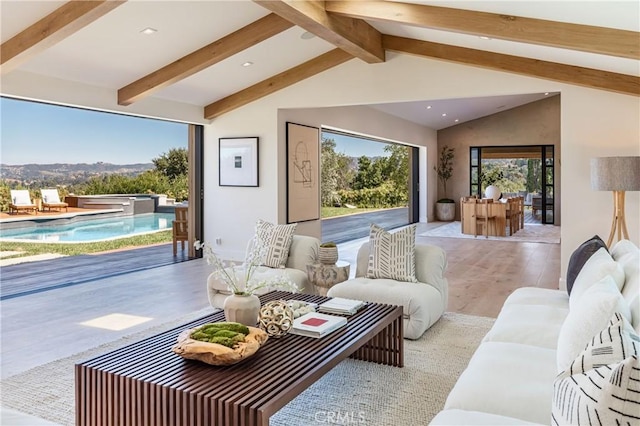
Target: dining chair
x: 484, y: 217
x: 180, y: 228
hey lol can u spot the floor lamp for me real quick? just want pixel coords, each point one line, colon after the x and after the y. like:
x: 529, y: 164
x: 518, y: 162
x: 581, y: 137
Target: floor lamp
x: 617, y: 174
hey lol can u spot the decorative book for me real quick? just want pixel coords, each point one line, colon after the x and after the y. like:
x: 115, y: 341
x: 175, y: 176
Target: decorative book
x: 315, y: 324
x: 338, y: 305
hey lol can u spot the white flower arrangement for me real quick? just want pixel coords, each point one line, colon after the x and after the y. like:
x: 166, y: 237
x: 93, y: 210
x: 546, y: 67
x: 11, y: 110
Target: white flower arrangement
x: 243, y: 283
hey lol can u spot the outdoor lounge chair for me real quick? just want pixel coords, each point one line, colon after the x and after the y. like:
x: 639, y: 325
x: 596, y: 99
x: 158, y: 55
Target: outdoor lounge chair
x: 180, y: 229
x: 51, y: 200
x: 21, y: 201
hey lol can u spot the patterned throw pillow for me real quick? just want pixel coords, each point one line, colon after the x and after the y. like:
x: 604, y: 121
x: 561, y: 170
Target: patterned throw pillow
x: 602, y: 386
x: 392, y: 255
x: 273, y: 241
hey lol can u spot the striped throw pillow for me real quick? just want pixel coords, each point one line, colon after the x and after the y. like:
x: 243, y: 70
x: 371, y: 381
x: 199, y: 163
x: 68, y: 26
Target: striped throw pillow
x: 273, y: 243
x: 602, y: 386
x: 392, y: 255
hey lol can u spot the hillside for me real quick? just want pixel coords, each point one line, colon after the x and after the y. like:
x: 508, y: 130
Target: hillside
x: 63, y: 173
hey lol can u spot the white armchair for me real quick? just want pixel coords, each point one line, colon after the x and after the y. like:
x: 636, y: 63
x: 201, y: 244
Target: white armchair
x: 423, y: 302
x: 303, y: 251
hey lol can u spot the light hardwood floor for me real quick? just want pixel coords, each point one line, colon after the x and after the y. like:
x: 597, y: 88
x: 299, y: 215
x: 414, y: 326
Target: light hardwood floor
x: 42, y: 327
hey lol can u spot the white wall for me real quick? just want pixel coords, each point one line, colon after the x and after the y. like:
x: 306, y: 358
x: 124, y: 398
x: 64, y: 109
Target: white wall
x: 594, y: 123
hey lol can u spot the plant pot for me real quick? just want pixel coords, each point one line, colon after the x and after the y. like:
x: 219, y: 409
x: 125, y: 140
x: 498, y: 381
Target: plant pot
x: 445, y: 212
x: 242, y: 308
x: 328, y: 255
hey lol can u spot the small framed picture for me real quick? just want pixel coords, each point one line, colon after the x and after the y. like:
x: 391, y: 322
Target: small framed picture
x: 238, y: 162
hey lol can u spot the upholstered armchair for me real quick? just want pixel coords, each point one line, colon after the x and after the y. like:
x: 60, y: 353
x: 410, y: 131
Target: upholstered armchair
x: 303, y: 251
x: 423, y: 302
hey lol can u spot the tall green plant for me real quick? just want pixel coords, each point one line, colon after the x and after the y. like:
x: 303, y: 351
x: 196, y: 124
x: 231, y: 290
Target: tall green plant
x: 444, y: 169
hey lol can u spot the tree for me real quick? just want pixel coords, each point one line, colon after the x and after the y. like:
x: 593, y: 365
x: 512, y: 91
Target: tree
x: 172, y: 164
x: 369, y: 173
x: 444, y: 169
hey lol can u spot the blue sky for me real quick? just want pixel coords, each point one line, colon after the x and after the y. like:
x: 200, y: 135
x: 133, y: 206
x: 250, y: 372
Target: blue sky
x: 44, y: 134
x: 356, y: 147
x: 41, y: 133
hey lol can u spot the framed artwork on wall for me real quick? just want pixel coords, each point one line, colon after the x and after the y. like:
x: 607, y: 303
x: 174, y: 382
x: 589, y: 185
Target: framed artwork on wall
x: 303, y: 173
x: 238, y: 161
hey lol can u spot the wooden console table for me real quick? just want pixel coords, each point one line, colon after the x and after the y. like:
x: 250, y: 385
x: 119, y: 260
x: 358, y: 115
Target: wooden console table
x: 145, y: 383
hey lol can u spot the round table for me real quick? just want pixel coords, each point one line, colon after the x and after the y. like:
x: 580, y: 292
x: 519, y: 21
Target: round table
x: 324, y: 276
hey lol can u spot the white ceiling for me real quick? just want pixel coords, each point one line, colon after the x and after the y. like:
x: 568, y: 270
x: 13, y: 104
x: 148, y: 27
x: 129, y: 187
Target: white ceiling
x: 111, y: 52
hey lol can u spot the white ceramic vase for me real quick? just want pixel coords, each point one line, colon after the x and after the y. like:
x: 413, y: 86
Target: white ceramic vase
x: 492, y: 191
x: 242, y: 308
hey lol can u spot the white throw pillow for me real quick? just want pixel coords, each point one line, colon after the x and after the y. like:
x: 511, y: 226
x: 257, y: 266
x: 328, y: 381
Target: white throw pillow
x: 273, y: 242
x: 599, y: 265
x: 392, y: 255
x: 586, y: 318
x: 602, y: 386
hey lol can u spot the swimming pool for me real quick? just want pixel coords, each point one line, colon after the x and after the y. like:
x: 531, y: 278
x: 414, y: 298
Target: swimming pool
x: 92, y: 229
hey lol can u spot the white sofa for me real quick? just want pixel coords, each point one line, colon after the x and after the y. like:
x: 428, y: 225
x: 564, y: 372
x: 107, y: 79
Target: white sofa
x: 423, y: 302
x: 303, y: 251
x: 509, y: 379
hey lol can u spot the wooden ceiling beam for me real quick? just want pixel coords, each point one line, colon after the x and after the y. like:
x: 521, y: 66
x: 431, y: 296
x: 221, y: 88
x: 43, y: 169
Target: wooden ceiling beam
x: 354, y: 36
x: 59, y: 24
x: 585, y: 38
x: 204, y: 57
x: 587, y: 77
x: 277, y: 82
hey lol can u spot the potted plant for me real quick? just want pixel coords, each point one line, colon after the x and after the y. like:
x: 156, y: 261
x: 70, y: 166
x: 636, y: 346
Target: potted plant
x: 445, y: 207
x: 328, y: 253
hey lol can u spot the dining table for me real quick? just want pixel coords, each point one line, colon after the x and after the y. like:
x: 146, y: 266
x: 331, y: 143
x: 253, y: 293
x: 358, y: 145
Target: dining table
x: 497, y: 211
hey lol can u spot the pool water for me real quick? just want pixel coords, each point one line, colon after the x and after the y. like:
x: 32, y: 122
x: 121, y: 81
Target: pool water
x: 92, y: 229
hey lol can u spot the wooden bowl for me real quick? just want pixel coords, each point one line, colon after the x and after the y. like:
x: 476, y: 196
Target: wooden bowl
x: 215, y: 354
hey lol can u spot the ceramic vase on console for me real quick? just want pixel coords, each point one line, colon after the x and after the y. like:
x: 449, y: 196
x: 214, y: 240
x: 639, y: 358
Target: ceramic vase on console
x: 242, y: 308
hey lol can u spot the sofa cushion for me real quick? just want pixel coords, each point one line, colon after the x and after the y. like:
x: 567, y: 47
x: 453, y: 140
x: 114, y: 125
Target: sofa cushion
x: 507, y: 379
x: 538, y: 296
x: 599, y: 265
x: 580, y: 256
x: 392, y: 255
x: 536, y: 325
x: 421, y: 303
x: 606, y: 395
x: 273, y: 243
x: 457, y: 417
x: 587, y: 317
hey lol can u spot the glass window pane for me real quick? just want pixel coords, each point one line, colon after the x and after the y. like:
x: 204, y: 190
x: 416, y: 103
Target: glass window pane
x: 474, y: 156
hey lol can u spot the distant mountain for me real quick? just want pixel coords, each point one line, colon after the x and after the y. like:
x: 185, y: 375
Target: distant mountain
x: 64, y: 173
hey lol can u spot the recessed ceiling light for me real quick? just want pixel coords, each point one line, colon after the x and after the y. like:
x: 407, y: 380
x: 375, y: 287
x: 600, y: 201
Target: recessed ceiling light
x: 307, y: 35
x: 456, y: 120
x: 149, y: 31
x: 428, y: 106
x: 444, y: 115
x: 546, y: 93
x: 247, y: 64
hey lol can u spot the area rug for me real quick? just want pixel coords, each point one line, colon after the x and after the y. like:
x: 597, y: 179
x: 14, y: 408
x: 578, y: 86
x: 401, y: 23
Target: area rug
x: 353, y: 392
x: 531, y: 233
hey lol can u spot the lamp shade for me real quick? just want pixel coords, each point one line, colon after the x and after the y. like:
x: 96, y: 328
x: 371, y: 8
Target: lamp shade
x: 615, y: 173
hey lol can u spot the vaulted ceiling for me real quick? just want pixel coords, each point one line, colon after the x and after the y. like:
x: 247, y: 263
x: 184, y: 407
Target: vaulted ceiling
x: 221, y: 55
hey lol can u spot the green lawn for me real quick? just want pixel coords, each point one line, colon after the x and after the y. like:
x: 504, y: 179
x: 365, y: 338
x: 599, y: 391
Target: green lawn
x: 341, y: 211
x: 30, y: 249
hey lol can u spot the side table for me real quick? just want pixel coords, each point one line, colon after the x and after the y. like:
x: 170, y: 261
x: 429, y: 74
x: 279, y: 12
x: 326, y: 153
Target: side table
x: 324, y: 276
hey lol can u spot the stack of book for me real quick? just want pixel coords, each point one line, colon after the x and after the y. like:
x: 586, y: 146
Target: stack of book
x: 316, y: 325
x: 340, y: 306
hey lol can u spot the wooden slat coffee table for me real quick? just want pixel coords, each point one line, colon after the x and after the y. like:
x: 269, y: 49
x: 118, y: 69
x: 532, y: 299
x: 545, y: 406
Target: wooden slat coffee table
x: 145, y: 383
